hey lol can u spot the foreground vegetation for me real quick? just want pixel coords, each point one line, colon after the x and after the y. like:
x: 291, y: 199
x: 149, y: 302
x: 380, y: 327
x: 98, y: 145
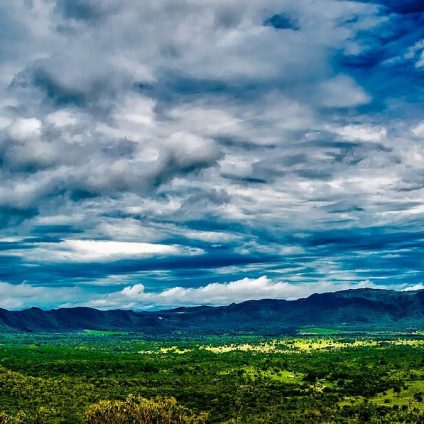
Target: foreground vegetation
x: 117, y: 378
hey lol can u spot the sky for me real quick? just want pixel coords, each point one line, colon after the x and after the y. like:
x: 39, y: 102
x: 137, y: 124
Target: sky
x: 182, y: 152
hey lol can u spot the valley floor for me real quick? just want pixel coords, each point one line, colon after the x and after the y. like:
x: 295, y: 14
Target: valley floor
x: 319, y: 376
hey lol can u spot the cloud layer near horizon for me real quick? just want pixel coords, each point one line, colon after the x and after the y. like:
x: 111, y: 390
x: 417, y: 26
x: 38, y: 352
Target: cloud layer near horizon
x: 135, y: 297
x: 178, y: 144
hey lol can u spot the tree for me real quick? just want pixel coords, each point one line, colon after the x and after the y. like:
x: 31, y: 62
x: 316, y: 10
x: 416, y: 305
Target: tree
x: 138, y: 410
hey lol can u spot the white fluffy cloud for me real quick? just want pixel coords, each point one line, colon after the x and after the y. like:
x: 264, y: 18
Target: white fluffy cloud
x: 97, y: 251
x: 22, y: 129
x: 419, y: 286
x: 24, y: 295
x: 364, y: 133
x: 135, y: 297
x: 341, y: 91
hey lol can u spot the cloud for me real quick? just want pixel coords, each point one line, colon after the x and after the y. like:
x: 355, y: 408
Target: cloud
x: 419, y: 286
x: 178, y: 144
x: 361, y: 133
x: 96, y: 251
x: 341, y: 91
x: 24, y: 295
x: 22, y: 128
x: 281, y: 21
x: 79, y: 10
x: 136, y: 297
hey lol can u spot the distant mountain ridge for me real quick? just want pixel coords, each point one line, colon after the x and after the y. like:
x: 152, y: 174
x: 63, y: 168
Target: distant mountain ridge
x: 351, y: 309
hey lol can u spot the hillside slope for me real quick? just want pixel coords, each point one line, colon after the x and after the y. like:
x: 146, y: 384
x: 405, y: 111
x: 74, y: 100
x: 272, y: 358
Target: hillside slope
x: 353, y: 309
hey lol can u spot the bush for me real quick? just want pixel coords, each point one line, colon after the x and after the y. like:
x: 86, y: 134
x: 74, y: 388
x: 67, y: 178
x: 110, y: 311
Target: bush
x: 22, y: 418
x: 418, y: 397
x: 138, y: 410
x: 4, y: 419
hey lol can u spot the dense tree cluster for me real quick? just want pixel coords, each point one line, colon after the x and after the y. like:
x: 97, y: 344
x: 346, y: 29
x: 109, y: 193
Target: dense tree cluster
x: 137, y: 410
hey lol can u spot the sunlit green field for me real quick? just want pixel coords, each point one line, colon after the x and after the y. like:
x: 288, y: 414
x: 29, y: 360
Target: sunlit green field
x: 318, y: 377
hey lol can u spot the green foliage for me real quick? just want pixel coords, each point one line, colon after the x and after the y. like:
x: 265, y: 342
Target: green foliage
x: 137, y: 410
x: 322, y: 331
x: 105, y: 333
x: 39, y: 417
x: 72, y: 378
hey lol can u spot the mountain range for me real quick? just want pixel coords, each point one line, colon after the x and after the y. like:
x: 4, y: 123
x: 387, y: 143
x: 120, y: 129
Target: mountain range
x: 359, y: 309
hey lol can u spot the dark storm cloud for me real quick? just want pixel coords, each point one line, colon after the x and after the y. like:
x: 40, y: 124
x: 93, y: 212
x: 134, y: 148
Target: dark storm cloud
x: 62, y: 81
x: 281, y: 21
x: 368, y: 239
x: 10, y: 216
x: 79, y: 9
x: 52, y: 90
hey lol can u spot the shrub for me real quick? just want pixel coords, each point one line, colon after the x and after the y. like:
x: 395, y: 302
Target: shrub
x: 23, y: 418
x: 418, y: 397
x: 4, y: 419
